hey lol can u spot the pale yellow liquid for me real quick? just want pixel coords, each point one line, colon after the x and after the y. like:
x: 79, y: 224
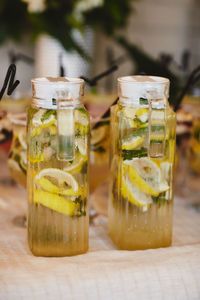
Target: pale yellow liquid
x: 17, y: 156
x: 99, y: 162
x: 133, y: 227
x: 53, y: 234
x: 194, y: 147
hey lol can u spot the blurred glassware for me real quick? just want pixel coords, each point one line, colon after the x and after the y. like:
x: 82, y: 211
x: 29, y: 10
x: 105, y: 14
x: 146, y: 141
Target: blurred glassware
x: 16, y: 103
x: 17, y: 160
x: 183, y: 133
x: 194, y: 146
x: 5, y: 131
x: 99, y: 153
x: 5, y: 143
x: 193, y: 156
x: 185, y: 180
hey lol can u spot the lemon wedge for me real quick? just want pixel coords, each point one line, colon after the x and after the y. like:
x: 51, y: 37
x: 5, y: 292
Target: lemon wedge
x: 82, y: 145
x: 59, y: 176
x: 129, y: 112
x: 142, y: 114
x: 98, y: 134
x: 37, y: 119
x: 54, y: 202
x: 22, y: 139
x: 81, y: 117
x: 48, y: 186
x: 39, y: 124
x: 140, y: 182
x: 23, y: 160
x: 146, y: 174
x: 76, y: 166
x: 132, y: 143
x: 13, y: 165
x: 133, y: 194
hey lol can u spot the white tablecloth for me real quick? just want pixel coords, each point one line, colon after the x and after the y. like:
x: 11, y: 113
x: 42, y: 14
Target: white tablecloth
x: 104, y: 272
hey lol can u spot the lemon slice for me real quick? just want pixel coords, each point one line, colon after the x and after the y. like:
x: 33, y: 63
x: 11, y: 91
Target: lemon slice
x: 98, y: 134
x: 23, y: 160
x: 22, y: 139
x: 37, y: 119
x: 13, y: 165
x: 129, y: 112
x: 82, y: 146
x: 62, y: 177
x: 77, y: 165
x: 132, y: 143
x: 36, y: 131
x: 53, y: 129
x: 131, y: 123
x: 81, y: 117
x: 142, y: 114
x: 134, y: 195
x: 147, y: 175
x: 140, y: 182
x: 54, y: 202
x: 166, y: 169
x: 16, y: 172
x: 48, y: 186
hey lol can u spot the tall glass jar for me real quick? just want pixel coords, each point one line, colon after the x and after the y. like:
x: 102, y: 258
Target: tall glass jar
x: 142, y: 163
x: 58, y: 151
x: 17, y: 159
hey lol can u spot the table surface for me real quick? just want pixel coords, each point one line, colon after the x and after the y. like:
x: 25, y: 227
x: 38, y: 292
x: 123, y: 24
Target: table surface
x: 104, y: 272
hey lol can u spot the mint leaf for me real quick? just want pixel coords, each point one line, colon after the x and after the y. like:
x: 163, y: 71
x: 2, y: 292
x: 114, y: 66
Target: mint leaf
x: 160, y: 199
x: 47, y: 114
x: 129, y: 154
x: 138, y: 132
x: 53, y: 101
x: 144, y: 101
x: 157, y: 128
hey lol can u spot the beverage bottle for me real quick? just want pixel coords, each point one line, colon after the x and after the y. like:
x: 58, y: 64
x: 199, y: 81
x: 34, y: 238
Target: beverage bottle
x: 143, y: 130
x: 57, y: 172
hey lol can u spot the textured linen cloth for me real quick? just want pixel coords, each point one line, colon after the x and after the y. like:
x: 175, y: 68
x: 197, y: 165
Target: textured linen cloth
x: 104, y: 272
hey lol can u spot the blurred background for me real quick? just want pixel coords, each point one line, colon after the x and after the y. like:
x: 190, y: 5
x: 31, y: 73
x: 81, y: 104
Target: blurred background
x: 52, y: 32
x: 87, y: 37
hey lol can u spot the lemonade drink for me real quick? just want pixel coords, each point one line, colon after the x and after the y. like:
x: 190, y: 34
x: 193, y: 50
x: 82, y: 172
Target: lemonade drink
x: 17, y: 160
x: 194, y: 146
x: 99, y: 153
x: 58, y: 145
x: 142, y: 163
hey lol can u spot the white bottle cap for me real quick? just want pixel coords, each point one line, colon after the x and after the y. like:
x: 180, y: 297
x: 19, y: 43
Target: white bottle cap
x: 142, y: 86
x: 45, y: 89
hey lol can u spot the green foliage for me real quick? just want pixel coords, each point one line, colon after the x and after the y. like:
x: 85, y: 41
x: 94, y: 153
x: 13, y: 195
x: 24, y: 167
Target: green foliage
x: 59, y: 19
x: 13, y: 20
x: 111, y: 16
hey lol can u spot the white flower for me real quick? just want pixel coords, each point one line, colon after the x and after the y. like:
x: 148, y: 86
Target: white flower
x: 86, y: 5
x: 35, y: 6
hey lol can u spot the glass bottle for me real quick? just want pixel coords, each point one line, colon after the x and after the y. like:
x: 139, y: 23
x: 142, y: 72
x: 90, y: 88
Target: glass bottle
x: 142, y: 164
x: 17, y: 159
x: 58, y: 150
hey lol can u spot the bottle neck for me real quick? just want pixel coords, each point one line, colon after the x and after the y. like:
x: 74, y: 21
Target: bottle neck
x: 144, y: 102
x: 54, y: 103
